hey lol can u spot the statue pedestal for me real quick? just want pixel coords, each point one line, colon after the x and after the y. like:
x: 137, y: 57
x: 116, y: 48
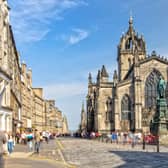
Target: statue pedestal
x: 159, y: 125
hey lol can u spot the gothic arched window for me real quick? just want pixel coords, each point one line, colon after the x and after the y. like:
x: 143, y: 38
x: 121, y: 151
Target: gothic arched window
x: 151, y: 88
x: 108, y: 109
x: 125, y: 108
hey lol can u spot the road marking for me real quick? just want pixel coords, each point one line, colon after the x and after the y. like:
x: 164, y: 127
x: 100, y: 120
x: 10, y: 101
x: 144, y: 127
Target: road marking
x: 60, y: 144
x: 60, y: 148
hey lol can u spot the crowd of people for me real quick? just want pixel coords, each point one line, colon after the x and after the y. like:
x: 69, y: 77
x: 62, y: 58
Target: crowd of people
x: 32, y: 139
x: 129, y: 137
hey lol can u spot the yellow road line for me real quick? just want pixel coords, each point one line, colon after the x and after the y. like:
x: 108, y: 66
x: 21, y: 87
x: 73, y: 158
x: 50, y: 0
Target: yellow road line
x: 60, y: 148
x: 60, y: 144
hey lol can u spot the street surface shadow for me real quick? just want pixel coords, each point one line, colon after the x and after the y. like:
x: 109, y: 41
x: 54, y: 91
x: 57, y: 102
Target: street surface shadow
x: 139, y: 159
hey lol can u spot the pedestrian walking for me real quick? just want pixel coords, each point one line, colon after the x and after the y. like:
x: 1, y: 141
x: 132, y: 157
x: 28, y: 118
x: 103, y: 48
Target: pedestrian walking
x: 10, y: 143
x: 23, y: 138
x: 17, y: 137
x: 37, y: 141
x: 113, y: 137
x: 30, y: 141
x: 47, y: 137
x: 5, y: 145
x: 125, y: 138
x: 3, y: 140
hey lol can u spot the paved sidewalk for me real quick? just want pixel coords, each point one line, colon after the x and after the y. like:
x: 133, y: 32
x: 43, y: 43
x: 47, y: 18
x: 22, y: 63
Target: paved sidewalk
x: 48, y: 157
x: 30, y: 163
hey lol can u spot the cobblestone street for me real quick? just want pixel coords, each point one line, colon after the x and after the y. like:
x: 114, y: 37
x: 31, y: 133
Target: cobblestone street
x: 82, y: 153
x: 91, y: 154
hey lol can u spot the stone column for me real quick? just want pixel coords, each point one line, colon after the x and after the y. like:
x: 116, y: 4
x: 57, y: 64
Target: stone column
x: 137, y: 98
x: 116, y: 115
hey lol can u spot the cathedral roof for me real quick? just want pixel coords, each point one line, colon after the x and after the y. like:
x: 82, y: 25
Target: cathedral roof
x: 154, y: 56
x: 104, y: 72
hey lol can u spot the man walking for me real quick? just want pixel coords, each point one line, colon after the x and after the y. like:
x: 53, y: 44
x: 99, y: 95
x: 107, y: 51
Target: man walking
x: 2, y: 142
x: 37, y: 141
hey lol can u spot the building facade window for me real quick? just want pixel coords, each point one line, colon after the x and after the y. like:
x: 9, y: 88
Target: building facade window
x: 125, y: 108
x: 109, y: 109
x: 151, y: 89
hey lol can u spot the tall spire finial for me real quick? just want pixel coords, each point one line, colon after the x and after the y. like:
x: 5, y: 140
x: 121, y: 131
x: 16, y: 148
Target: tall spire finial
x: 90, y: 78
x: 131, y: 18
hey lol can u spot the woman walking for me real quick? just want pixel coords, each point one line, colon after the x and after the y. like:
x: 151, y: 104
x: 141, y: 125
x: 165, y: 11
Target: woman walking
x: 10, y: 143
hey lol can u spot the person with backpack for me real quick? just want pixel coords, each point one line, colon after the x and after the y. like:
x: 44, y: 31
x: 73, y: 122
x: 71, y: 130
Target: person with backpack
x: 30, y: 141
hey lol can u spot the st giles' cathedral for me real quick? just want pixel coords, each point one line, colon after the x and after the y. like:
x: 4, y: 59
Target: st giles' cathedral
x: 129, y: 101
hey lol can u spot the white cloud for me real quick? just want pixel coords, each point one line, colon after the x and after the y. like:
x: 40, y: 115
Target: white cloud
x: 78, y: 36
x: 63, y: 90
x: 31, y: 18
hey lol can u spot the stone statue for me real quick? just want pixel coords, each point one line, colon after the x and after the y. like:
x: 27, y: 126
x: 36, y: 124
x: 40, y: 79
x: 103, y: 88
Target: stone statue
x: 161, y: 87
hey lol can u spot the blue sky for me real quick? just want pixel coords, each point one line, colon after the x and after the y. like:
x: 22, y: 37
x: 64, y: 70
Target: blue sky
x: 63, y: 40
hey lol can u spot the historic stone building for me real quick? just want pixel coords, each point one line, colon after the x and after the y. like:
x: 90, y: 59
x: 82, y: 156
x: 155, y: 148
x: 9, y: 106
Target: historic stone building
x: 10, y: 115
x: 50, y: 115
x: 5, y: 71
x: 27, y: 97
x: 38, y: 117
x: 54, y: 119
x: 65, y: 129
x: 58, y: 120
x: 21, y: 106
x: 129, y: 101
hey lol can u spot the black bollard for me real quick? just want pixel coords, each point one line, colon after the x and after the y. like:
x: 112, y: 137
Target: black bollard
x: 158, y: 144
x: 143, y: 143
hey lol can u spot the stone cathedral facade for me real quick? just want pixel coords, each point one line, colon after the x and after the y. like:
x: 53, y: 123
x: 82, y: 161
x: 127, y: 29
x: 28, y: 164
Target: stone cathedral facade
x: 128, y: 103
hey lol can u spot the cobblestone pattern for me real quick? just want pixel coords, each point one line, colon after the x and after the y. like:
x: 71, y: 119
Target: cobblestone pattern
x: 92, y: 154
x: 49, y: 151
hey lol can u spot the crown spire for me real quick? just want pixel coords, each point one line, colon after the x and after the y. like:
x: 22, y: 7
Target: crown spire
x: 130, y: 18
x: 131, y: 21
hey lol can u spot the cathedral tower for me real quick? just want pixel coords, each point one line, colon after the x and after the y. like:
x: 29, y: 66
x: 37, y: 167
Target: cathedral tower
x: 126, y: 49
